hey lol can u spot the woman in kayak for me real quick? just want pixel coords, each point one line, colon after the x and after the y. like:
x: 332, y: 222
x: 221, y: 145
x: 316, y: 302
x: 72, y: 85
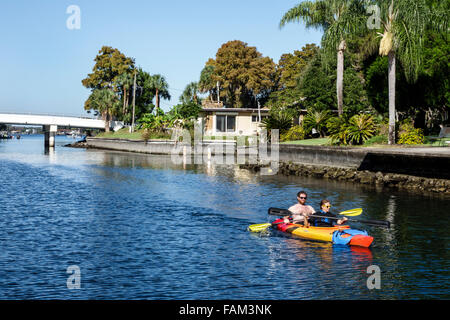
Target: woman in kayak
x: 300, y: 211
x: 325, y: 206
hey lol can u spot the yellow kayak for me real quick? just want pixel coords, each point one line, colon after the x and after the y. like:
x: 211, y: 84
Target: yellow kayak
x: 323, y: 233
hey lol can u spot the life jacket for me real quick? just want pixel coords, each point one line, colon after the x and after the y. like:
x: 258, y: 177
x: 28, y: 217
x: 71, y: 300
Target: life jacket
x: 316, y: 221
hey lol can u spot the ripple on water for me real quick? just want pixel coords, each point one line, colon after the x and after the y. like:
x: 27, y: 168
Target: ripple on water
x: 140, y: 227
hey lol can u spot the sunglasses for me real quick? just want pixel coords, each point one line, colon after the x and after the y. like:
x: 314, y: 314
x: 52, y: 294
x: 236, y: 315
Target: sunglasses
x: 327, y: 206
x: 302, y: 197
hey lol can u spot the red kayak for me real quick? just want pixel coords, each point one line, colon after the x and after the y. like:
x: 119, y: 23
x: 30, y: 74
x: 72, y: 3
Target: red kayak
x: 336, y: 235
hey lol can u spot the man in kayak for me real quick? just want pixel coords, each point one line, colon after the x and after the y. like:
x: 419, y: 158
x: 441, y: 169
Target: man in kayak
x: 300, y: 211
x: 325, y: 206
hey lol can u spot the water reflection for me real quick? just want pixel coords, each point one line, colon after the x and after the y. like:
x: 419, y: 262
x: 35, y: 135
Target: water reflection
x: 135, y: 222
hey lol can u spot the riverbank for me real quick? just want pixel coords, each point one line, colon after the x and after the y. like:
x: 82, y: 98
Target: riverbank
x: 414, y: 168
x: 421, y: 169
x: 365, y: 177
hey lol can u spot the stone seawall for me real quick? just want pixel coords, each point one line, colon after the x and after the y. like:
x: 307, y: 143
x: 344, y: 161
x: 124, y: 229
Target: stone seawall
x: 425, y: 169
x: 422, y: 162
x: 377, y: 179
x: 153, y: 147
x: 166, y: 147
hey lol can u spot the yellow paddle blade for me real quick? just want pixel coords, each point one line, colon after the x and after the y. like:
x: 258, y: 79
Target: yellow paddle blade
x: 258, y: 227
x: 352, y: 212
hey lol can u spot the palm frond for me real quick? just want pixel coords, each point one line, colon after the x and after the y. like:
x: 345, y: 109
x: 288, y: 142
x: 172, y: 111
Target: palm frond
x: 314, y: 14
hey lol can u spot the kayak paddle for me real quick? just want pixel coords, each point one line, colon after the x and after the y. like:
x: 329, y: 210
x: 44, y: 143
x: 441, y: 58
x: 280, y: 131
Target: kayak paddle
x: 377, y: 223
x: 283, y: 212
x: 261, y: 227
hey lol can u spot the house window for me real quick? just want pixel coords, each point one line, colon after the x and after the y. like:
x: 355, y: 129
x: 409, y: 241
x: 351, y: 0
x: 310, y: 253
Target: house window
x: 225, y: 123
x: 255, y: 118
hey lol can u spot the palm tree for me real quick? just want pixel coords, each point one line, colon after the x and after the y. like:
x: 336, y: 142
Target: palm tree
x: 159, y: 84
x: 125, y: 80
x: 403, y: 26
x: 105, y: 101
x: 190, y: 93
x: 339, y: 20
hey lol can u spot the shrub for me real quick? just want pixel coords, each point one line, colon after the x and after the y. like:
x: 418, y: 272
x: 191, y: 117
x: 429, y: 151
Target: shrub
x: 316, y: 120
x: 158, y: 122
x: 278, y: 119
x: 361, y: 128
x: 293, y: 134
x: 146, y: 134
x: 337, y: 127
x: 355, y: 130
x: 410, y: 135
x: 379, y: 139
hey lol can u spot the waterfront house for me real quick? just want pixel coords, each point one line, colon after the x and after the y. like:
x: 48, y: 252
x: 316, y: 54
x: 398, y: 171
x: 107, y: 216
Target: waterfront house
x: 220, y: 121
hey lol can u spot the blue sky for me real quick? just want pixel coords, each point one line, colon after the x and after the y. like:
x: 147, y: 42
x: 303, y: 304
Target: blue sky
x: 43, y: 62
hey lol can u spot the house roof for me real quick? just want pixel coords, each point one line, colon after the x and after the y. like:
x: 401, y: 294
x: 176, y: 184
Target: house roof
x: 234, y: 110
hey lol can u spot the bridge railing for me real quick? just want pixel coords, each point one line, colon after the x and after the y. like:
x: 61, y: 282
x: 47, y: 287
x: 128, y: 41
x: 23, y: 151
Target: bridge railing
x: 51, y: 115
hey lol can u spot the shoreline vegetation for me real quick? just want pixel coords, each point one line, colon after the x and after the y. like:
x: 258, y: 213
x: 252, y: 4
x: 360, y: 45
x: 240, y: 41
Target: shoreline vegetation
x: 333, y: 170
x: 138, y: 135
x: 142, y: 135
x: 363, y: 84
x: 363, y: 87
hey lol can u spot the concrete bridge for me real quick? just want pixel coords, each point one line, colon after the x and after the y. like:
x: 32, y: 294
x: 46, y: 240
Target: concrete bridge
x: 50, y: 123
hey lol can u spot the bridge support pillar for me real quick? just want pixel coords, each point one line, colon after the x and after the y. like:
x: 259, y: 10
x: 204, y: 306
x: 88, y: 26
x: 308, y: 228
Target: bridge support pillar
x: 50, y: 133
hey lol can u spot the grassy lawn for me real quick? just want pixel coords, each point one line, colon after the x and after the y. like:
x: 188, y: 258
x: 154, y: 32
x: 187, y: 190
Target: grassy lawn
x: 125, y: 134
x: 310, y: 142
x: 374, y: 142
x: 437, y: 143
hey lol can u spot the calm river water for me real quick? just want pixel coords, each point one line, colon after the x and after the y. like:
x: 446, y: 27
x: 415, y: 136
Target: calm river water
x: 141, y: 227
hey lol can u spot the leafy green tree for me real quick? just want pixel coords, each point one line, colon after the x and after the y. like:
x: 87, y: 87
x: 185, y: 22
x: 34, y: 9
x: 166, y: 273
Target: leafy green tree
x: 291, y: 65
x: 289, y: 70
x: 206, y: 83
x: 316, y: 86
x: 189, y: 110
x: 404, y: 24
x: 339, y: 20
x: 144, y: 93
x: 317, y: 81
x: 110, y: 63
x: 243, y: 74
x: 185, y: 114
x: 107, y: 73
x: 427, y: 99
